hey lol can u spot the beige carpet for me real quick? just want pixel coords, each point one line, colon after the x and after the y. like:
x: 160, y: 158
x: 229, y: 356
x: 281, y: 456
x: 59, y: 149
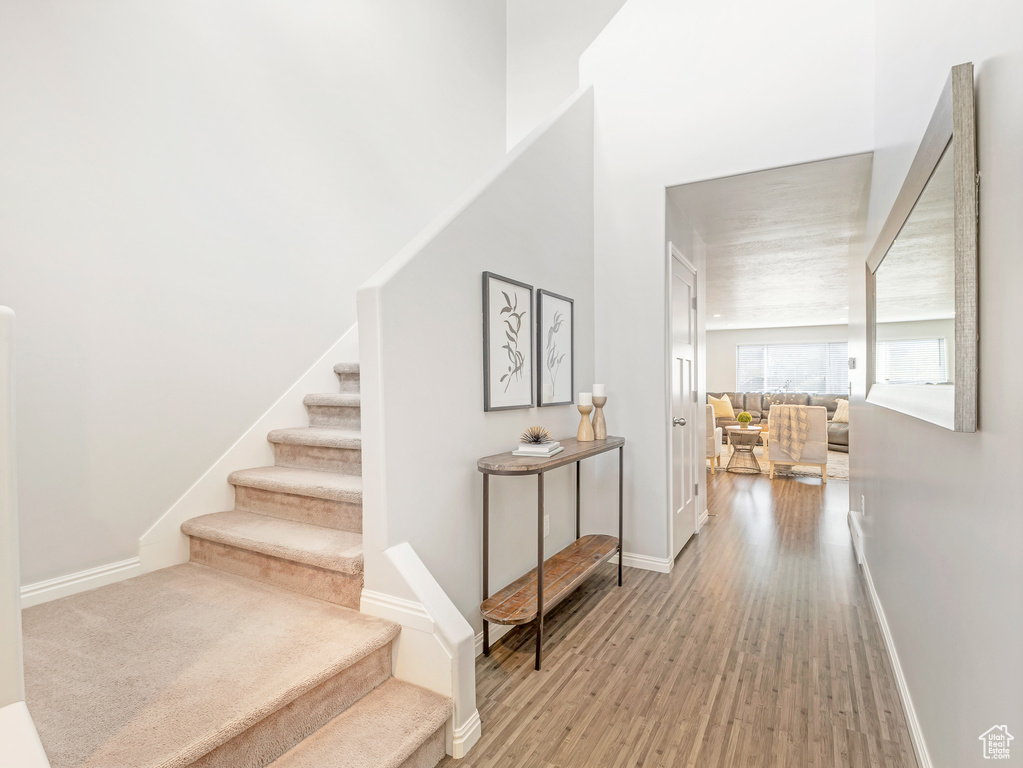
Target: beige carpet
x: 248, y: 654
x: 838, y: 466
x: 352, y: 739
x: 160, y: 669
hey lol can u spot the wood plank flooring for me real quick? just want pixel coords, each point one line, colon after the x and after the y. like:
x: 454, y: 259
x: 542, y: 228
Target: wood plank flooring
x: 759, y: 649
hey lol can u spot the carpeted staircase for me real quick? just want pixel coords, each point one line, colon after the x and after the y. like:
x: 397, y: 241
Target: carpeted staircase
x: 254, y: 653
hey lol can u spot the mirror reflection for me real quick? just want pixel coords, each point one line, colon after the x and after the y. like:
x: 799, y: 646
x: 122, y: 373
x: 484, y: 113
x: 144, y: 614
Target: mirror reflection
x: 914, y: 300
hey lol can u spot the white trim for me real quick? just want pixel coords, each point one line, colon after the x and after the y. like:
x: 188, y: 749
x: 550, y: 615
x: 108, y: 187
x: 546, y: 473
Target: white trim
x: 464, y: 738
x: 497, y: 631
x: 915, y: 732
x: 408, y: 613
x: 645, y: 562
x: 73, y: 583
x: 857, y: 536
x: 702, y: 520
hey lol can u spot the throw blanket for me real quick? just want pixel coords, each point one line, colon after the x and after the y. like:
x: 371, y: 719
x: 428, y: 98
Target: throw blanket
x: 790, y: 424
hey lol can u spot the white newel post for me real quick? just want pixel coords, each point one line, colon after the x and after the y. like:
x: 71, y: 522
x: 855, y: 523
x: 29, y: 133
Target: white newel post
x: 18, y: 737
x: 12, y: 680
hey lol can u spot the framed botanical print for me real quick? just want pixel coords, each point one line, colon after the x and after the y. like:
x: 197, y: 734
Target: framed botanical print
x: 555, y: 348
x: 507, y: 343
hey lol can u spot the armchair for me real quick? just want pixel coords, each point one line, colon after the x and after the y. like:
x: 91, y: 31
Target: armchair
x: 815, y: 451
x: 714, y: 440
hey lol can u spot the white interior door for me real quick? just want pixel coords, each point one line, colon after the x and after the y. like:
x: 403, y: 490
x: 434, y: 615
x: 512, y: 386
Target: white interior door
x: 685, y: 444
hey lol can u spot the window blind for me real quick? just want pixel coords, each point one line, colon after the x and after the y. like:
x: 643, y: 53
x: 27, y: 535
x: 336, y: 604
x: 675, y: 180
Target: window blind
x: 911, y: 361
x: 812, y: 367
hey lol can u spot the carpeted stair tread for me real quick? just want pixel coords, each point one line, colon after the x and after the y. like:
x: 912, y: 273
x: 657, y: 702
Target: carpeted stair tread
x: 317, y: 436
x: 334, y: 399
x: 303, y: 543
x: 301, y: 482
x: 342, y: 368
x: 382, y: 731
x: 158, y: 670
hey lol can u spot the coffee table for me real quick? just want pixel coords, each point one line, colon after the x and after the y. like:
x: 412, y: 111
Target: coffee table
x: 743, y: 441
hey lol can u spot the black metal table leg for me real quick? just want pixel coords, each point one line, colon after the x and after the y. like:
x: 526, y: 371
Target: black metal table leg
x: 539, y: 569
x: 621, y: 508
x: 578, y: 499
x: 486, y: 559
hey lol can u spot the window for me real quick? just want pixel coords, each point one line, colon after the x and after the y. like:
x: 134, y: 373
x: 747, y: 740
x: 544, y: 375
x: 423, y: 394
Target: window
x: 816, y: 367
x: 911, y: 361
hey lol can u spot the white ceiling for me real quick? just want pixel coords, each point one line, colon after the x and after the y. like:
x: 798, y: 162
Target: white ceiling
x: 916, y: 279
x: 778, y: 242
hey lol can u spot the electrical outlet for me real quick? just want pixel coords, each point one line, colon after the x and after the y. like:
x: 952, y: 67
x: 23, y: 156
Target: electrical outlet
x: 863, y: 505
x: 546, y: 525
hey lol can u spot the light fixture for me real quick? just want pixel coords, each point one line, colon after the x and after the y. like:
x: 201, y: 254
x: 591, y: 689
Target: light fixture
x: 717, y: 315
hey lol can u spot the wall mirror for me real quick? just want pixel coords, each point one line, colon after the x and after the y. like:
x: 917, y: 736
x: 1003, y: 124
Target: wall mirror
x: 922, y: 275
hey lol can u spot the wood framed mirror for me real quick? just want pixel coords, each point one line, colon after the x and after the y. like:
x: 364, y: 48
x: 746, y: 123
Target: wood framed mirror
x: 922, y: 316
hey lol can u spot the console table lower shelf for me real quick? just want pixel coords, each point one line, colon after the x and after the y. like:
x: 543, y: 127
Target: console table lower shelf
x: 562, y: 574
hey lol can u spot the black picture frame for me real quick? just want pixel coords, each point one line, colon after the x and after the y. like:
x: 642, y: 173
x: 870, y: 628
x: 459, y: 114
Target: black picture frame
x: 510, y: 363
x: 550, y: 358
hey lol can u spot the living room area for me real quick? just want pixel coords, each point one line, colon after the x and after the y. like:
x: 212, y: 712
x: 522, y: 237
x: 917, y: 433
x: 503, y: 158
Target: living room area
x: 779, y: 246
x: 753, y: 371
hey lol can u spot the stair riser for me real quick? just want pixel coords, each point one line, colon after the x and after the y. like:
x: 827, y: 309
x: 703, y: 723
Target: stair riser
x: 345, y: 461
x: 274, y: 735
x: 340, y: 515
x: 336, y: 416
x: 430, y: 752
x: 338, y: 588
x: 350, y: 383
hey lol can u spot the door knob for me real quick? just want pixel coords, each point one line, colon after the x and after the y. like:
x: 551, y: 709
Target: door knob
x: 679, y: 421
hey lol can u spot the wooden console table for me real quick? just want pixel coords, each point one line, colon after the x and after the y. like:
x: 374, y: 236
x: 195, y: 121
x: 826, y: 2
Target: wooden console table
x: 539, y: 591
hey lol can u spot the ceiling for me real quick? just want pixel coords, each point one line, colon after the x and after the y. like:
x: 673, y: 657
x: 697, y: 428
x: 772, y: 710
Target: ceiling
x: 916, y: 278
x: 778, y: 241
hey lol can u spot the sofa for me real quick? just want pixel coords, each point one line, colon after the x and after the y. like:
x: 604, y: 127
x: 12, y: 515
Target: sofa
x: 758, y: 405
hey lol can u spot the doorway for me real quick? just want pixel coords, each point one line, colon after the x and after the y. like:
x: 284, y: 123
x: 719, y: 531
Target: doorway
x: 686, y: 456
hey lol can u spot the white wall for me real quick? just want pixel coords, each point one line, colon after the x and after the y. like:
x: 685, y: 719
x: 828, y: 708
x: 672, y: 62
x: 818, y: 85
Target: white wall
x: 721, y: 347
x: 944, y: 522
x: 420, y: 340
x: 545, y: 40
x: 685, y: 92
x: 191, y: 193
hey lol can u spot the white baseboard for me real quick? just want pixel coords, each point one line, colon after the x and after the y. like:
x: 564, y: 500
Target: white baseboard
x: 464, y: 738
x: 702, y: 521
x: 647, y: 563
x: 497, y: 631
x: 857, y: 536
x: 915, y: 732
x: 73, y: 583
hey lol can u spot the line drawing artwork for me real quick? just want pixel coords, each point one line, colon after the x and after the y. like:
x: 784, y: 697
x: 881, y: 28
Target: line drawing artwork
x: 517, y: 360
x: 554, y: 360
x: 509, y: 344
x: 555, y: 339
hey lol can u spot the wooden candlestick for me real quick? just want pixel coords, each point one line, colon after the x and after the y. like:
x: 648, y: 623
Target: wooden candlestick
x: 585, y: 433
x: 599, y: 425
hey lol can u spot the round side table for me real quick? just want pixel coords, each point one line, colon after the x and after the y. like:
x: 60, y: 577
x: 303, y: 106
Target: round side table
x: 743, y: 441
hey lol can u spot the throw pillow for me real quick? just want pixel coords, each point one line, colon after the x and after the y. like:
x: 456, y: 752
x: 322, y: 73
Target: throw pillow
x: 722, y: 407
x: 841, y: 413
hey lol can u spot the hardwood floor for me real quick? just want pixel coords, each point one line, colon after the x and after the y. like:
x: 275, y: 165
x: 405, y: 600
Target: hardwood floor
x: 759, y: 649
